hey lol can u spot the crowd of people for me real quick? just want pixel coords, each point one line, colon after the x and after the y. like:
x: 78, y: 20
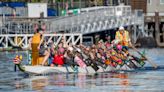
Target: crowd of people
x: 113, y: 53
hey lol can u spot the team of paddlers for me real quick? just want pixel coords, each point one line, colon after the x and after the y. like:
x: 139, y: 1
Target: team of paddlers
x: 114, y: 54
x: 101, y: 55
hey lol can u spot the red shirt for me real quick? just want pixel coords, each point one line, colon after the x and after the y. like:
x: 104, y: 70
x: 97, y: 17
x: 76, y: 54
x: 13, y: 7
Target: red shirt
x: 58, y: 59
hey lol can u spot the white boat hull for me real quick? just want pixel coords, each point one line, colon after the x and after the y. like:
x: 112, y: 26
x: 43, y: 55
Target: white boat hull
x: 89, y: 69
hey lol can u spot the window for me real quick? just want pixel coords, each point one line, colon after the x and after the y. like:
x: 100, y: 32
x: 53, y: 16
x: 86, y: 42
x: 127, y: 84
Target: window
x: 161, y: 1
x: 149, y: 2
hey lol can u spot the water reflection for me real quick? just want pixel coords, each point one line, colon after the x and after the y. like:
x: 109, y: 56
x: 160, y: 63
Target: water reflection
x: 19, y: 85
x: 83, y: 81
x: 114, y: 82
x: 117, y: 82
x: 39, y: 84
x: 58, y: 80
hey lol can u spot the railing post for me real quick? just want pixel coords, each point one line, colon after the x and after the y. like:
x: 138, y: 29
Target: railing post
x: 6, y: 38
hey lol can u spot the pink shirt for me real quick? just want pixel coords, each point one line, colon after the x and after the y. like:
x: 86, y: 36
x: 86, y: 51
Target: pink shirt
x: 61, y: 50
x: 80, y: 62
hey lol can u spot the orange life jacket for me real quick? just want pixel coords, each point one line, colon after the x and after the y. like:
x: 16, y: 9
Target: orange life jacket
x: 119, y: 61
x: 114, y: 58
x: 36, y: 38
x: 123, y: 38
x: 107, y: 62
x: 121, y: 56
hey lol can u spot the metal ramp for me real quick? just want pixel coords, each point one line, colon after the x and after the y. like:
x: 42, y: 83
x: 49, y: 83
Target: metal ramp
x: 90, y: 20
x: 98, y: 20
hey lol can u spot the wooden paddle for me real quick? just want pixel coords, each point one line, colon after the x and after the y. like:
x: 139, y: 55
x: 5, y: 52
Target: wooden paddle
x: 151, y: 62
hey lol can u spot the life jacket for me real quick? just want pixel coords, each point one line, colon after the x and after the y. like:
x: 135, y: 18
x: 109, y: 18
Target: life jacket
x: 36, y: 38
x: 114, y: 64
x: 123, y: 38
x: 121, y: 56
x: 58, y: 59
x: 114, y: 58
x: 117, y: 60
x: 107, y: 62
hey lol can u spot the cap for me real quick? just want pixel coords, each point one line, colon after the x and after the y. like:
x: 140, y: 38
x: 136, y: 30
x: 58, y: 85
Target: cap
x: 121, y: 28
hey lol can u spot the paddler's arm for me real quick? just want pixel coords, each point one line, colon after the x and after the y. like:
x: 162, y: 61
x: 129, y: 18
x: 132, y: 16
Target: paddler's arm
x: 129, y: 40
x: 65, y: 45
x: 129, y: 44
x: 30, y: 41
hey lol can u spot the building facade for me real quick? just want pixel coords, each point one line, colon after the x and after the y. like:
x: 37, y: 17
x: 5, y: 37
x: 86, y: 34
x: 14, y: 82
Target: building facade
x: 155, y: 5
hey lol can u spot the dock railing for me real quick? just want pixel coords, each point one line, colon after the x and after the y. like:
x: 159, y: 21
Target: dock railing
x: 89, y: 21
x: 96, y: 19
x: 23, y: 41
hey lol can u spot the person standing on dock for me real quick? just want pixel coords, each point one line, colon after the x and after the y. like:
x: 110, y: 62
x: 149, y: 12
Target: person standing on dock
x: 122, y: 36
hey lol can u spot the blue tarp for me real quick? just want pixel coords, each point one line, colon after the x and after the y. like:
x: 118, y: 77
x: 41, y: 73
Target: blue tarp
x: 9, y: 15
x: 13, y: 4
x: 51, y: 12
x: 1, y: 4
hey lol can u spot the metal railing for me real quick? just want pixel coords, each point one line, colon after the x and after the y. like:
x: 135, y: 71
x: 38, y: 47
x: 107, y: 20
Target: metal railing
x: 88, y: 21
x: 23, y: 41
x: 9, y: 11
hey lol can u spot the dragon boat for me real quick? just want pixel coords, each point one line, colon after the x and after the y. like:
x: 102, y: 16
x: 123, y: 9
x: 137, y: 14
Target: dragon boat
x: 91, y: 69
x: 129, y: 63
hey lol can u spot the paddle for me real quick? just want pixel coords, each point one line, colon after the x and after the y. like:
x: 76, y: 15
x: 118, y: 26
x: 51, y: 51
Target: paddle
x: 151, y: 62
x: 15, y: 67
x: 126, y: 62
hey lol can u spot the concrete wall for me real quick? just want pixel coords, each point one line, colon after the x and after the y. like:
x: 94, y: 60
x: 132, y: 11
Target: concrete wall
x: 155, y: 5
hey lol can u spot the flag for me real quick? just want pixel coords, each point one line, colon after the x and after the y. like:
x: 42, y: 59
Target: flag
x: 66, y: 5
x: 72, y: 3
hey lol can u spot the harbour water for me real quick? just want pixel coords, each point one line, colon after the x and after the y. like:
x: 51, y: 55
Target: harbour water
x: 146, y: 80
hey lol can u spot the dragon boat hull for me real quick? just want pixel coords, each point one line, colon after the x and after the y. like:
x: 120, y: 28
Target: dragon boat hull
x: 68, y: 69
